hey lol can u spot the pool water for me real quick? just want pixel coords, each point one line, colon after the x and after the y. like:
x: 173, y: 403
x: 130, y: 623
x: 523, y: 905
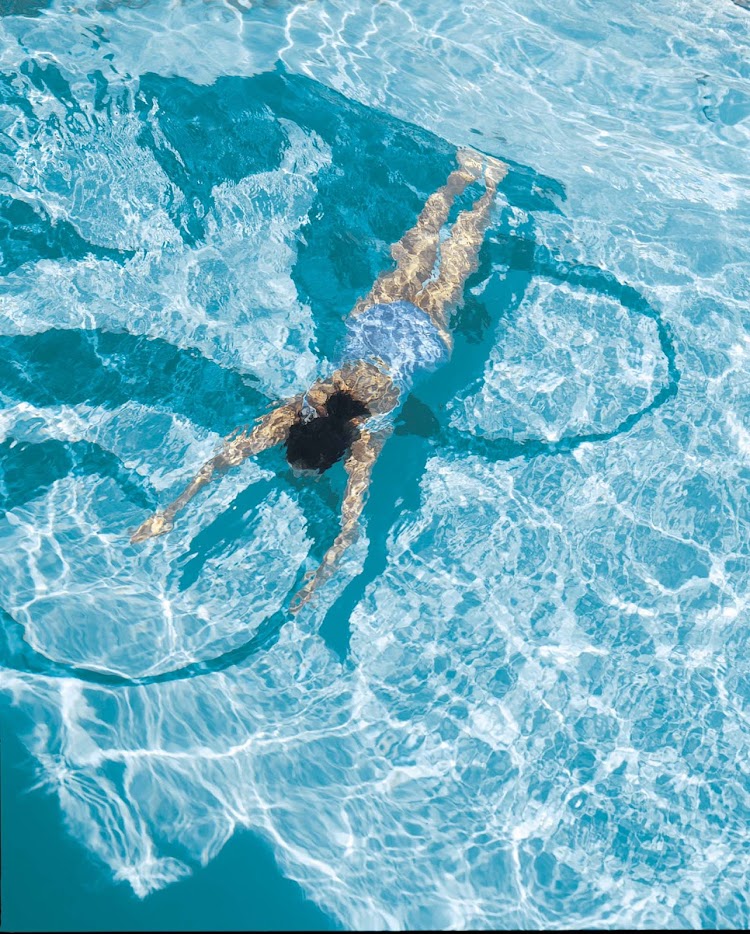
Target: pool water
x: 522, y: 701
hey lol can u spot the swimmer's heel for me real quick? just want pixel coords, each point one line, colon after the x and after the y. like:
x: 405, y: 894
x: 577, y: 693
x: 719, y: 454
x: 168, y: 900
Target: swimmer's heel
x: 477, y: 165
x: 494, y: 172
x: 470, y: 162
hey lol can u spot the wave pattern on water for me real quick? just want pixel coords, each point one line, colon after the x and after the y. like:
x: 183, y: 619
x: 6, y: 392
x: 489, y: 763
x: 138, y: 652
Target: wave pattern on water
x: 523, y: 703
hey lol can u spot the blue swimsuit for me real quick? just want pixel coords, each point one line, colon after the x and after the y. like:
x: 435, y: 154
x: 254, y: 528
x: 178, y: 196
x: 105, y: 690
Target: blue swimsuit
x: 399, y: 335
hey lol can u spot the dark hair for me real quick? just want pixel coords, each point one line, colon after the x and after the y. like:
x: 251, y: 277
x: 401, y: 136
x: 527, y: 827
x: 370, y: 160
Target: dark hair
x: 319, y: 443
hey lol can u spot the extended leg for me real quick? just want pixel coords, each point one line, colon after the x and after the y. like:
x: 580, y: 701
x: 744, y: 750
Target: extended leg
x: 416, y: 251
x: 458, y: 254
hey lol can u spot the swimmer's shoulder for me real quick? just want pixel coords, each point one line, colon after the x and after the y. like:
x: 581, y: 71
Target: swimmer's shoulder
x: 369, y: 384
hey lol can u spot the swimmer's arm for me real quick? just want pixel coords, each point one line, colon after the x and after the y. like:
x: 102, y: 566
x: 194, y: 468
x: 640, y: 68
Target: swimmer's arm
x: 358, y: 465
x: 271, y: 429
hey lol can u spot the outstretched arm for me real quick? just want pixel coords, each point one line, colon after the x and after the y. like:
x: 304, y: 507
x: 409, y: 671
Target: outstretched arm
x: 358, y: 465
x: 271, y: 429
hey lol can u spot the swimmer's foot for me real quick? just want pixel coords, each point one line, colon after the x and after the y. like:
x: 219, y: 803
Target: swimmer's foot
x: 494, y: 171
x: 475, y: 165
x: 157, y: 524
x: 471, y: 164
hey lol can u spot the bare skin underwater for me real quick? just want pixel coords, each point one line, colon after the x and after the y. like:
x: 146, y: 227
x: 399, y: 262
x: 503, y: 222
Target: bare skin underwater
x: 413, y: 280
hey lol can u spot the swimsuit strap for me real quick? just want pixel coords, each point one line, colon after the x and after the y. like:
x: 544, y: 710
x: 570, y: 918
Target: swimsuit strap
x: 379, y: 422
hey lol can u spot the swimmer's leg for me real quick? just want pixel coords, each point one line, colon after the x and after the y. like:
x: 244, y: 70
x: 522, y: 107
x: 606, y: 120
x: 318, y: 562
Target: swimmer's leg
x: 416, y: 251
x: 459, y: 255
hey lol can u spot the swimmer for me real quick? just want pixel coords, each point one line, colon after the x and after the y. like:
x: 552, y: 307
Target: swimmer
x: 401, y: 327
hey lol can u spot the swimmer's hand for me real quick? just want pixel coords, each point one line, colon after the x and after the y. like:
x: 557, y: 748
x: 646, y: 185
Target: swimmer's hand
x: 158, y: 524
x: 358, y: 465
x: 304, y: 594
x: 271, y: 429
x: 313, y: 579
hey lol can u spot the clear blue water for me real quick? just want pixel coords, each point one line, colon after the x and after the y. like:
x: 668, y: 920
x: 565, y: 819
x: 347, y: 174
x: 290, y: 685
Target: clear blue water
x: 523, y: 701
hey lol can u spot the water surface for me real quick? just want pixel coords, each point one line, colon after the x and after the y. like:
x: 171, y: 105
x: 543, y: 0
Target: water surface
x: 522, y: 702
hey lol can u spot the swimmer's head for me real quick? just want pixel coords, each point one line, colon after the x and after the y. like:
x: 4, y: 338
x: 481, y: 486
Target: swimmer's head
x: 318, y: 443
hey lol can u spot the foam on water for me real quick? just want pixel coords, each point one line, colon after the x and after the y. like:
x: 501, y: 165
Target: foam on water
x: 543, y: 719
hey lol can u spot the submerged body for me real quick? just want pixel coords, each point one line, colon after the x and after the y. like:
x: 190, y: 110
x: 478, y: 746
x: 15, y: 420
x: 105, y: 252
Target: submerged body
x: 399, y: 339
x: 401, y: 328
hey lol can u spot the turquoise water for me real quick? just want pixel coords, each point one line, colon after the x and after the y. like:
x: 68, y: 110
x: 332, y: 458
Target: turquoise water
x: 522, y: 702
x: 51, y: 883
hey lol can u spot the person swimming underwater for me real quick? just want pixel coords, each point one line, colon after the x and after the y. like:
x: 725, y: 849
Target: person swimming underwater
x: 398, y: 329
